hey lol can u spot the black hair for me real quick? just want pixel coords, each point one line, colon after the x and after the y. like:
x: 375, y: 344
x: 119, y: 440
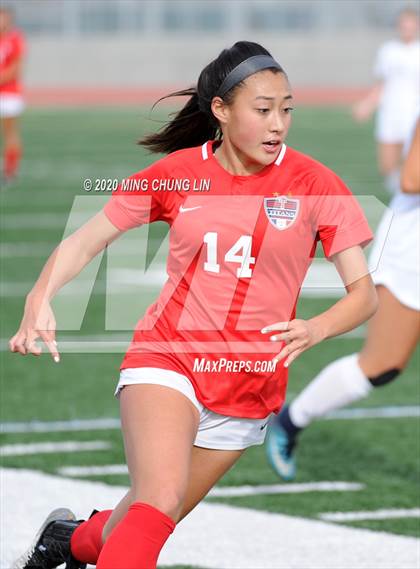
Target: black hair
x: 195, y: 123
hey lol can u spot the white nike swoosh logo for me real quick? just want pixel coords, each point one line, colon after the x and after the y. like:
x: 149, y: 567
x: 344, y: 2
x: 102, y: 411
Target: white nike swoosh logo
x: 183, y: 209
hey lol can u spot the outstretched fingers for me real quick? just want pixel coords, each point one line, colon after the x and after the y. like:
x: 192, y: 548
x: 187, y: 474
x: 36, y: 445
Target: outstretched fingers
x: 48, y: 336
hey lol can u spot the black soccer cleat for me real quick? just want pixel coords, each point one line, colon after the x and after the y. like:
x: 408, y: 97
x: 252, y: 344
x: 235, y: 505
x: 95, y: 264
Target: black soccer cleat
x: 51, y: 545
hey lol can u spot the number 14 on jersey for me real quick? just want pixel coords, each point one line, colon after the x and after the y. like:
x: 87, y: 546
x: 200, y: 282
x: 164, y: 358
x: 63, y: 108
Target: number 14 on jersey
x: 240, y: 252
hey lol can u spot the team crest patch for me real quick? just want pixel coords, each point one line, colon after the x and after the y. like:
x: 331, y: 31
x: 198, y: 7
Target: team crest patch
x: 281, y: 211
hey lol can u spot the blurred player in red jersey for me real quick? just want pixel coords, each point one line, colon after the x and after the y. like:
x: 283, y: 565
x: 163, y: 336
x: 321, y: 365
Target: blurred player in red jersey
x: 209, y: 360
x: 12, y: 48
x: 395, y: 96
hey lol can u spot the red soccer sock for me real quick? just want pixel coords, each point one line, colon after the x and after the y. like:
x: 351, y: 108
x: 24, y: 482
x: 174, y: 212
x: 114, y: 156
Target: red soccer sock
x: 137, y: 540
x: 12, y: 157
x: 86, y: 541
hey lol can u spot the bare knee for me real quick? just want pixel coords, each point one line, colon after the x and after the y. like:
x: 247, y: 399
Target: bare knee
x: 386, y: 168
x: 375, y: 365
x: 11, y: 132
x: 165, y: 498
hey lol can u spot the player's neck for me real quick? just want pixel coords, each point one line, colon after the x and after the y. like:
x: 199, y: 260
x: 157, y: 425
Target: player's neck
x: 234, y: 163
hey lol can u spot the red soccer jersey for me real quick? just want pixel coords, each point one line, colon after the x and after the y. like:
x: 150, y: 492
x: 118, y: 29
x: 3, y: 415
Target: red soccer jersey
x: 12, y: 47
x: 239, y: 252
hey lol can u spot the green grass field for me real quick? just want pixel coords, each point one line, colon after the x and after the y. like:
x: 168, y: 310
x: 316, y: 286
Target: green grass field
x: 62, y: 147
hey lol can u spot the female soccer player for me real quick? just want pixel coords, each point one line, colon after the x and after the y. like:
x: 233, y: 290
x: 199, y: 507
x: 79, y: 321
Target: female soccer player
x: 393, y: 332
x: 396, y: 96
x: 208, y: 362
x: 11, y: 101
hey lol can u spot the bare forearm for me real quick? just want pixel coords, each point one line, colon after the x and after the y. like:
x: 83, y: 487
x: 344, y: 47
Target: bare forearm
x: 73, y: 254
x: 364, y: 108
x: 348, y: 313
x: 68, y: 259
x: 373, y: 96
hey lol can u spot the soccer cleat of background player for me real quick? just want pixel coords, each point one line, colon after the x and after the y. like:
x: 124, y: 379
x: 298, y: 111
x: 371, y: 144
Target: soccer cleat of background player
x: 279, y: 449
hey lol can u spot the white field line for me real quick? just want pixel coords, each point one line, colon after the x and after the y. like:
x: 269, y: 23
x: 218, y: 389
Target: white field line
x: 89, y: 347
x: 118, y: 343
x: 29, y: 250
x: 28, y: 221
x: 18, y: 289
x: 108, y: 423
x: 409, y: 411
x: 321, y: 280
x: 373, y: 515
x: 236, y: 491
x: 49, y: 447
x: 213, y: 535
x: 21, y: 221
x: 111, y: 343
x: 391, y: 412
x: 225, y: 491
x: 155, y: 279
x: 105, y: 470
x: 321, y: 292
x: 40, y: 249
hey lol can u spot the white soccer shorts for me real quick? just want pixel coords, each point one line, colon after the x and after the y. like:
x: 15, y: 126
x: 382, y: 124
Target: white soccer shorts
x: 11, y: 105
x: 394, y: 127
x: 215, y: 431
x: 394, y: 259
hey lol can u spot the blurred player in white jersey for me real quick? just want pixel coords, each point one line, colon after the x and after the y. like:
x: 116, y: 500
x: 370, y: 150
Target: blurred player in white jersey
x: 393, y: 332
x: 395, y: 96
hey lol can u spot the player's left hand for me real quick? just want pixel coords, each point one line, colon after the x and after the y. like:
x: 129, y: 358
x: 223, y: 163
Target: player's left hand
x: 298, y: 335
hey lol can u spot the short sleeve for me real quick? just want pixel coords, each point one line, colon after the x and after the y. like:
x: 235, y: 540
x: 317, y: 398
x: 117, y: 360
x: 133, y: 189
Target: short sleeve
x: 135, y: 202
x: 341, y: 222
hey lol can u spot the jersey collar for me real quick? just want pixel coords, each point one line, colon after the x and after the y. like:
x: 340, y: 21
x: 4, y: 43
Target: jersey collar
x: 207, y: 147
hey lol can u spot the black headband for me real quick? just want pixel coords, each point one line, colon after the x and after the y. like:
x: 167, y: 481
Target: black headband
x: 244, y: 70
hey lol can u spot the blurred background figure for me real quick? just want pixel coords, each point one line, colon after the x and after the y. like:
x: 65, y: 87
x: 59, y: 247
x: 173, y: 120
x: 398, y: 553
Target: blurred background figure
x: 393, y: 332
x: 395, y: 96
x: 12, y: 47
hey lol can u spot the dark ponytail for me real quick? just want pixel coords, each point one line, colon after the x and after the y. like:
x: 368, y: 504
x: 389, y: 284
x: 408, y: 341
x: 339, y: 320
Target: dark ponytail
x: 195, y: 123
x: 189, y: 127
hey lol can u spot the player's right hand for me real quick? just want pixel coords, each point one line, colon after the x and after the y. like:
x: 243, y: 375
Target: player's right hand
x: 38, y: 322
